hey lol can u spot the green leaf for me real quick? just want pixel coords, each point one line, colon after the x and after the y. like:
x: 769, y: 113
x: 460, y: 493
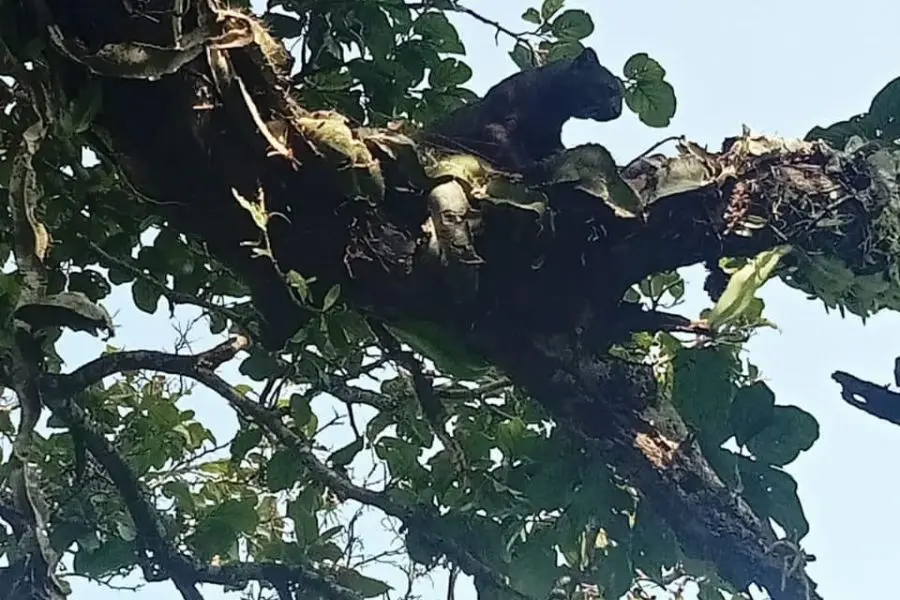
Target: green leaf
x: 752, y: 410
x: 118, y: 276
x: 216, y: 467
x: 420, y: 549
x: 640, y: 67
x: 379, y: 35
x: 659, y: 548
x: 839, y: 134
x: 449, y: 73
x: 882, y: 122
x: 6, y: 425
x: 532, y: 16
x: 379, y: 423
x: 709, y: 592
x: 299, y: 283
x: 344, y: 456
x: 436, y: 29
x: 89, y: 541
x: 217, y: 532
x: 180, y: 491
x: 282, y: 470
x: 334, y: 292
x: 126, y: 530
x: 533, y: 567
x: 773, y: 493
x: 259, y: 366
x: 885, y: 107
x: 653, y: 101
x: 615, y: 572
x: 245, y: 440
x: 447, y: 350
x: 573, y: 25
x: 86, y: 106
x: 415, y: 56
x: 402, y: 457
x: 523, y: 56
x: 743, y: 285
x: 564, y: 51
x: 324, y: 551
x: 226, y: 285
x: 791, y: 431
x: 550, y: 8
x: 364, y: 586
x: 591, y: 169
x: 301, y: 410
x: 217, y: 322
x: 330, y: 533
x: 703, y: 390
x: 355, y: 327
x: 648, y: 95
x: 145, y: 295
x: 283, y: 26
x: 90, y: 283
x: 306, y: 524
x: 113, y: 555
x: 631, y: 295
x: 332, y: 80
x: 509, y: 433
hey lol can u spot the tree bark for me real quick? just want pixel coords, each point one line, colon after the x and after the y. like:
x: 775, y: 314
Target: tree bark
x: 546, y: 326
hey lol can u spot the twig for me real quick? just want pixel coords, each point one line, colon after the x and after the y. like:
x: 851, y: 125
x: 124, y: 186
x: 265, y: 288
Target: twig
x: 459, y: 8
x: 671, y: 138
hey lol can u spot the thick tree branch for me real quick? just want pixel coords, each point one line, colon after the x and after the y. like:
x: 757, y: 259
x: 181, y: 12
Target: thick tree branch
x: 544, y: 301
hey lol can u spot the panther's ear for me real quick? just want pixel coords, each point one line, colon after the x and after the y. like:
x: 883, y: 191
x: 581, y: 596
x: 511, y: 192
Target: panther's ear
x: 587, y: 58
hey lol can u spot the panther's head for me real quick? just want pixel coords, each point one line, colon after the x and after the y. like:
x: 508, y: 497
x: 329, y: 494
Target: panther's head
x: 597, y: 94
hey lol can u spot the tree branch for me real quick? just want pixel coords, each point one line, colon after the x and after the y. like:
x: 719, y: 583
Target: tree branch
x: 239, y: 574
x: 200, y: 368
x: 149, y: 525
x: 184, y: 571
x: 410, y: 516
x: 142, y: 360
x: 874, y: 399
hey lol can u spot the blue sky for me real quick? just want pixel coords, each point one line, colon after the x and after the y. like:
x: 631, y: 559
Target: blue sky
x: 780, y: 68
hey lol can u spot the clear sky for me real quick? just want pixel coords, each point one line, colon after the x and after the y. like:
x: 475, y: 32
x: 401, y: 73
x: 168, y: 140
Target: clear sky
x: 779, y: 67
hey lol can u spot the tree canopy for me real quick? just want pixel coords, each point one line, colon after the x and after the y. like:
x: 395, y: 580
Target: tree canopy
x: 270, y: 171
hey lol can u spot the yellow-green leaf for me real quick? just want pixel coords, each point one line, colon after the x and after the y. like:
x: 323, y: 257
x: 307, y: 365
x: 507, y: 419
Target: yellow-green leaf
x: 743, y: 285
